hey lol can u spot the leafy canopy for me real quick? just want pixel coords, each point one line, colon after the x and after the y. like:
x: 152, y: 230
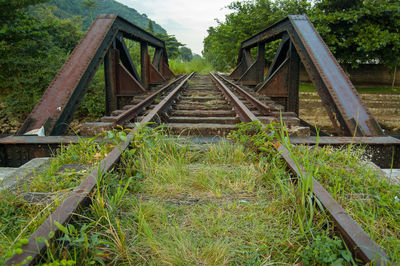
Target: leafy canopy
x: 360, y: 31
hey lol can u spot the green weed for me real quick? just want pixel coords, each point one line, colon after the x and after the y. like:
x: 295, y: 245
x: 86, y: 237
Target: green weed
x: 198, y: 65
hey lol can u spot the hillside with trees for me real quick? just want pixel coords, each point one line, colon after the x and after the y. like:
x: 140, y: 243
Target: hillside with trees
x: 90, y: 9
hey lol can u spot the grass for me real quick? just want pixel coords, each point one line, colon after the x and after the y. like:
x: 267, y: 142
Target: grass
x: 371, y: 200
x: 170, y: 202
x: 26, y: 216
x: 198, y: 65
x: 173, y: 202
x: 362, y: 89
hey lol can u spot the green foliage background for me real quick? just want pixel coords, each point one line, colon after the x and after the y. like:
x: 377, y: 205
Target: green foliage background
x: 33, y: 47
x: 360, y: 31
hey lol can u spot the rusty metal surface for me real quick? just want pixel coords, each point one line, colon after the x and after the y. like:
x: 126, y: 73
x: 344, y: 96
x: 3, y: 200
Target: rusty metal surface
x: 134, y: 111
x: 358, y: 242
x: 338, y: 85
x: 27, y: 139
x: 254, y: 74
x: 241, y: 109
x: 345, y: 140
x: 345, y: 108
x: 56, y: 108
x: 17, y: 150
x: 65, y: 210
x: 155, y: 77
x: 383, y: 151
x: 121, y: 85
x: 166, y: 102
x: 53, y: 104
x: 264, y: 109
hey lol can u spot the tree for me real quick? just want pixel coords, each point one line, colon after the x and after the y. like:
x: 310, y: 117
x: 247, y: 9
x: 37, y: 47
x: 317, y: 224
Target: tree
x: 91, y: 4
x: 249, y: 17
x: 9, y: 10
x: 185, y: 54
x: 33, y: 48
x: 360, y: 31
x: 150, y: 27
x: 171, y: 43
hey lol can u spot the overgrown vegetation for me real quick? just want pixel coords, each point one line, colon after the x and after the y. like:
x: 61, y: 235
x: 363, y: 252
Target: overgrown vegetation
x: 198, y: 65
x: 367, y: 195
x: 174, y: 202
x: 20, y: 216
x: 33, y: 48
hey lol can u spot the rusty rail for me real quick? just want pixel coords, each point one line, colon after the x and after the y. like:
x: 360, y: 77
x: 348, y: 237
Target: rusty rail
x: 77, y: 197
x: 166, y: 102
x: 241, y: 109
x: 134, y: 111
x: 264, y: 109
x: 358, y: 241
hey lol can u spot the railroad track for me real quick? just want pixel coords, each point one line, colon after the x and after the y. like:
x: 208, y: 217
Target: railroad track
x: 207, y: 106
x: 200, y: 108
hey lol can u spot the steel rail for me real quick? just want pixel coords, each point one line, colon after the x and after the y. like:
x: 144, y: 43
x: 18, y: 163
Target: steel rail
x: 79, y: 195
x: 358, y: 241
x: 241, y: 109
x: 382, y: 149
x: 264, y: 109
x: 163, y: 105
x: 134, y: 111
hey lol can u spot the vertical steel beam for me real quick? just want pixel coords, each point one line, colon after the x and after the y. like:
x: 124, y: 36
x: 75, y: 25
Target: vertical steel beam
x: 243, y: 65
x: 110, y: 78
x: 126, y: 58
x: 293, y: 81
x: 157, y: 59
x: 144, y: 68
x: 255, y: 71
x: 260, y: 62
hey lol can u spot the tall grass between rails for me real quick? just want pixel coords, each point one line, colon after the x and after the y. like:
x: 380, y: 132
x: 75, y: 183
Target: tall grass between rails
x: 367, y: 195
x: 19, y: 217
x: 198, y: 65
x: 174, y: 202
x: 370, y: 198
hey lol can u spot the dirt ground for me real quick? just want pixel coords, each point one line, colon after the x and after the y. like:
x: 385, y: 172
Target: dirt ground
x: 384, y: 107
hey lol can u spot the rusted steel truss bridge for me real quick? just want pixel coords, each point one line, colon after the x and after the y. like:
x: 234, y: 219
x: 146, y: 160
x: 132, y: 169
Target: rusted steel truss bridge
x: 208, y: 105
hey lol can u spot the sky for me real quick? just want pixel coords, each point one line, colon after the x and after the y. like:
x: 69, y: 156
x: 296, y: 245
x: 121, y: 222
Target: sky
x: 188, y: 20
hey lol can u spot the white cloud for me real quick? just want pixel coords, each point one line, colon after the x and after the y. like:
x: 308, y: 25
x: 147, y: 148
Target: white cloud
x: 188, y: 20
